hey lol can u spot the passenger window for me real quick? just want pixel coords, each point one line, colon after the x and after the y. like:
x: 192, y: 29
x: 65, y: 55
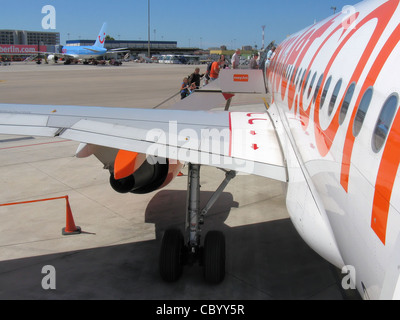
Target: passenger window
x: 334, y: 97
x: 308, y: 78
x: 311, y: 85
x: 346, y: 102
x: 362, y: 111
x: 384, y: 122
x: 287, y: 72
x: 318, y: 86
x: 299, y: 76
x: 325, y: 91
x: 302, y: 78
x: 291, y: 74
x: 295, y: 75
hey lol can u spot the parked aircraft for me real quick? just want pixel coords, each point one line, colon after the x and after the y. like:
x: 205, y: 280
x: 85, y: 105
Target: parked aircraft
x: 86, y: 53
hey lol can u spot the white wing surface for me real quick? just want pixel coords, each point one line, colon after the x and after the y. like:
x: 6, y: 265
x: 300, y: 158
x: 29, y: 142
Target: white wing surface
x: 239, y: 141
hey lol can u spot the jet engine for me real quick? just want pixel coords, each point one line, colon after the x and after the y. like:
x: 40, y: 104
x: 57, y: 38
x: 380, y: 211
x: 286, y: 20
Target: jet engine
x: 139, y: 174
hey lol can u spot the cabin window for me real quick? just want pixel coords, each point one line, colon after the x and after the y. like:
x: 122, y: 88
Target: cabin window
x: 325, y: 91
x: 302, y: 78
x: 299, y: 76
x: 362, y: 111
x: 317, y: 88
x: 384, y: 122
x: 311, y: 85
x: 291, y: 74
x: 346, y: 102
x: 335, y: 94
x: 308, y: 78
x: 295, y: 74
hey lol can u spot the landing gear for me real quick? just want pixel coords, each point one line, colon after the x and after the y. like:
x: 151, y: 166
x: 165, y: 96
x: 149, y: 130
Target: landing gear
x: 174, y: 254
x: 171, y: 255
x: 214, y: 257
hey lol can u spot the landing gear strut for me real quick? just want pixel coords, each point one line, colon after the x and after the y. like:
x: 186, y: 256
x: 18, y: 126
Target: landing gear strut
x: 174, y: 254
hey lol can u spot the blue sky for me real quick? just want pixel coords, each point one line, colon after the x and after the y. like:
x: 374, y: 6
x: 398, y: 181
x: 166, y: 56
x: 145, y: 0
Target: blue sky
x: 207, y: 23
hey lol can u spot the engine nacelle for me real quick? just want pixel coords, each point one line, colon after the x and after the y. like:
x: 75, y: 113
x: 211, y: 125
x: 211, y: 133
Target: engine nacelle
x: 151, y: 175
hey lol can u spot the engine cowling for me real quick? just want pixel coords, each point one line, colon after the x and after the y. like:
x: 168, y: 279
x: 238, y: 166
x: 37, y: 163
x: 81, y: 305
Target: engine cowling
x: 153, y: 174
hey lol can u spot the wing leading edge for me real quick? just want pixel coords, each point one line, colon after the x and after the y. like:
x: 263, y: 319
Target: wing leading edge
x: 244, y: 142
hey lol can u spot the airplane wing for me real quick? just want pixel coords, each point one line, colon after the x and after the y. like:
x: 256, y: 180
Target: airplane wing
x: 239, y: 141
x: 118, y: 50
x: 93, y: 50
x: 58, y: 54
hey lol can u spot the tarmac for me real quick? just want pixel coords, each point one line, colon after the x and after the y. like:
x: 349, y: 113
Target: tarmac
x: 116, y: 255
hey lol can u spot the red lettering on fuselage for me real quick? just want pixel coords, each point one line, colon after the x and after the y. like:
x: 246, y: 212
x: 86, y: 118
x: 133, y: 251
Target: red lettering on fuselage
x: 292, y: 53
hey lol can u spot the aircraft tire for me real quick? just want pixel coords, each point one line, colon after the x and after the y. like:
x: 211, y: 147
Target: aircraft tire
x: 214, y: 257
x: 171, y: 255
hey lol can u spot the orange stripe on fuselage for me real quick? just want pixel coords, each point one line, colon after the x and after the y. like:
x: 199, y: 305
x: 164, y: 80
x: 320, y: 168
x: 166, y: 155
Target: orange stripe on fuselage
x: 385, y: 181
x: 384, y: 13
x: 324, y: 138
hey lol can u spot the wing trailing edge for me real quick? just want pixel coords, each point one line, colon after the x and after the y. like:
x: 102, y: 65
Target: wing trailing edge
x: 244, y: 142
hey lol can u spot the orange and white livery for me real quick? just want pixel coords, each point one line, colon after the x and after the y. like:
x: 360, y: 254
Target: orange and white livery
x: 336, y: 88
x: 331, y: 133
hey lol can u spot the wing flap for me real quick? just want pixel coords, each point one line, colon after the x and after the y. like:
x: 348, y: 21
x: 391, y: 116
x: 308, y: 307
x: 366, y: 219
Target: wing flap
x: 201, y: 100
x: 26, y: 124
x: 22, y: 119
x: 28, y: 131
x: 241, y: 81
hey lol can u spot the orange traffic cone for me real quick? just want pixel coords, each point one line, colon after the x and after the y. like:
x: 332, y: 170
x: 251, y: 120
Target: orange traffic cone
x: 70, y: 227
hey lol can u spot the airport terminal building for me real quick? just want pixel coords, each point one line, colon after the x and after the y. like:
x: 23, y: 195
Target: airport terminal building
x: 22, y: 42
x: 23, y: 37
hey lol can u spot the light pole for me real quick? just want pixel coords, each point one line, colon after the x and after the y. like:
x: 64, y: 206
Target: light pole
x: 263, y: 36
x: 148, y: 29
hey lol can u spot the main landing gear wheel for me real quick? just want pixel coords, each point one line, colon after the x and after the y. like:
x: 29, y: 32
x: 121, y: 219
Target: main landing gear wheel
x: 174, y: 254
x: 171, y: 255
x: 214, y: 257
